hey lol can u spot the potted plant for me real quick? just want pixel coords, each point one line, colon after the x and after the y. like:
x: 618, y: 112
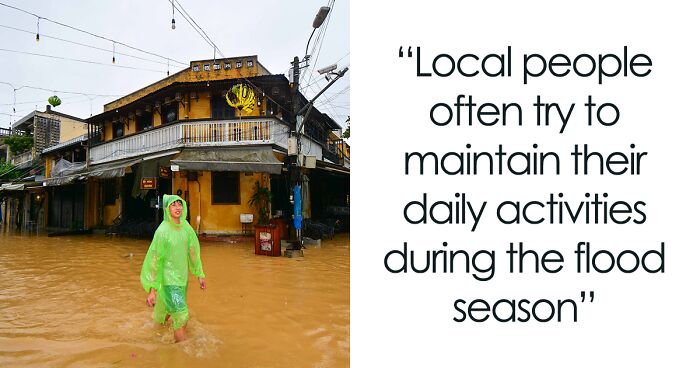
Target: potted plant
x: 266, y: 235
x: 261, y: 202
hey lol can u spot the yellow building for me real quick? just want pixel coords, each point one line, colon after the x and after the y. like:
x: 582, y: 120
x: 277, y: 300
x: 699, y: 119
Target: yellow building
x: 181, y: 136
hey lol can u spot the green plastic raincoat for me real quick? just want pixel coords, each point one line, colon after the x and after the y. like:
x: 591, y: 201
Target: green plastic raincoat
x: 174, y: 248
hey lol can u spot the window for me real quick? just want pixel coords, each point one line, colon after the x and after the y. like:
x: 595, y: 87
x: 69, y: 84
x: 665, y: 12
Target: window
x: 239, y: 64
x: 195, y: 67
x: 144, y: 122
x: 117, y: 130
x: 169, y: 114
x: 207, y: 67
x: 250, y: 63
x: 220, y: 109
x: 227, y: 65
x: 225, y: 187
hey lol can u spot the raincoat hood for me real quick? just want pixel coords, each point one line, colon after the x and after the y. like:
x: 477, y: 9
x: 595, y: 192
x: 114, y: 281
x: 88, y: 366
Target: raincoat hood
x: 168, y: 199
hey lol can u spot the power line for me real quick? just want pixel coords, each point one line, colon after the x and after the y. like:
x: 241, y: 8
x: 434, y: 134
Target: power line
x: 322, y: 35
x: 82, y: 61
x: 203, y: 34
x: 91, y: 34
x: 33, y: 102
x: 56, y: 90
x: 84, y: 45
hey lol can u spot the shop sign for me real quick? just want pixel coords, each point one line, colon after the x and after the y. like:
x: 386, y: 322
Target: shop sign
x: 148, y: 183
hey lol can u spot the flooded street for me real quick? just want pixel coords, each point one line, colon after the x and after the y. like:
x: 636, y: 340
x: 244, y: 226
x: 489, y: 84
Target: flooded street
x: 76, y: 301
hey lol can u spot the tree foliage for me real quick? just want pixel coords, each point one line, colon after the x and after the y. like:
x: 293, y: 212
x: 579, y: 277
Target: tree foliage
x: 346, y: 133
x: 7, y: 171
x: 19, y: 144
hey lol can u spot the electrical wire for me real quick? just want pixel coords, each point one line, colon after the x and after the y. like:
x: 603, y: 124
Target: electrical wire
x: 322, y: 36
x: 81, y: 61
x: 91, y: 34
x: 320, y: 77
x: 195, y: 26
x: 85, y: 45
x: 56, y: 90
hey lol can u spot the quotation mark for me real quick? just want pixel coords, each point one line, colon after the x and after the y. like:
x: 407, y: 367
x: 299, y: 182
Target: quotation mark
x: 583, y: 296
x: 410, y: 54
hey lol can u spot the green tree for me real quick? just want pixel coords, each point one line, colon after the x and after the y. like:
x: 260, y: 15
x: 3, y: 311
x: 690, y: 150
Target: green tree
x: 7, y: 171
x: 346, y: 133
x: 19, y: 144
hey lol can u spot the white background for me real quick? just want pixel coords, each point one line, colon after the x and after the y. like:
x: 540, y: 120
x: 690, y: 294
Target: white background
x: 640, y: 319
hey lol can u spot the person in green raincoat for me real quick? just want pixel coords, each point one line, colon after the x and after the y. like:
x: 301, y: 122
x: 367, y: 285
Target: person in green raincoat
x: 164, y: 273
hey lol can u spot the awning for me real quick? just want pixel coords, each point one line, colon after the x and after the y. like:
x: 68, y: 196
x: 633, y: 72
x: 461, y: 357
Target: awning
x: 107, y: 170
x: 258, y: 159
x: 112, y: 169
x: 322, y: 165
x: 63, y: 180
x: 12, y: 187
x: 18, y: 187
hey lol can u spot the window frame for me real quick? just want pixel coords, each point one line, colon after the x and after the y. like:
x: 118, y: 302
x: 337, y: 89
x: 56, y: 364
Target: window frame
x: 217, y: 176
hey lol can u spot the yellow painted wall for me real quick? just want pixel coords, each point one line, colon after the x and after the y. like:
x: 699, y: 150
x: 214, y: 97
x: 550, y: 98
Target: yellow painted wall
x: 71, y: 129
x: 188, y: 75
x: 48, y: 164
x: 111, y: 212
x: 129, y: 126
x: 199, y: 107
x: 156, y: 118
x: 98, y: 214
x: 108, y: 132
x: 217, y: 218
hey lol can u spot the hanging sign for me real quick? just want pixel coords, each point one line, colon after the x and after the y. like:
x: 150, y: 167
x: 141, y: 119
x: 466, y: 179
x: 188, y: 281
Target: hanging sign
x: 164, y: 172
x: 148, y: 183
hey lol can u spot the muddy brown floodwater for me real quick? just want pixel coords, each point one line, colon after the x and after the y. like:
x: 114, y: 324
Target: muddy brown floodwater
x: 76, y: 301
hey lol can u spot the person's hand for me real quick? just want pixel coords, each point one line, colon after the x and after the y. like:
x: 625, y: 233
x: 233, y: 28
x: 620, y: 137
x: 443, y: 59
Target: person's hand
x: 151, y: 298
x: 202, y: 283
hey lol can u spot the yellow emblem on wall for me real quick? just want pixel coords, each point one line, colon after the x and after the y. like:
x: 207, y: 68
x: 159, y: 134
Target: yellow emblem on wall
x: 241, y: 97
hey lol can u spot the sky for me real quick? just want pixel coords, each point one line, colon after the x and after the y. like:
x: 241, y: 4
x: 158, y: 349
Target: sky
x: 275, y: 30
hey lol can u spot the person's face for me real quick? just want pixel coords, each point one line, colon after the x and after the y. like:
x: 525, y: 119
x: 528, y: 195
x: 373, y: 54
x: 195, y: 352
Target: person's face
x: 175, y: 209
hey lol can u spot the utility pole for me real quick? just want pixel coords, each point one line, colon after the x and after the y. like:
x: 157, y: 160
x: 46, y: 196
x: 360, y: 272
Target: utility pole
x: 300, y: 116
x: 306, y: 111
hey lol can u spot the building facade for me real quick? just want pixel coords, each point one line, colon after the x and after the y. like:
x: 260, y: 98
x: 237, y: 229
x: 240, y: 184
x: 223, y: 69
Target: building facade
x: 182, y: 136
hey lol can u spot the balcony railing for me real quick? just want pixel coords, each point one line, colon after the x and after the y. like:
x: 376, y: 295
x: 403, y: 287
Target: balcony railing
x: 21, y: 158
x: 193, y: 134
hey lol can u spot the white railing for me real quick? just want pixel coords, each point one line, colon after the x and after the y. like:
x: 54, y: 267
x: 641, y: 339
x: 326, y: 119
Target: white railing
x: 21, y: 158
x: 193, y: 134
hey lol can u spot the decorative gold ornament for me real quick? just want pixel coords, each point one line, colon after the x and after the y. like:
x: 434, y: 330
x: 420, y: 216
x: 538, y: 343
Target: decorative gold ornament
x: 241, y: 97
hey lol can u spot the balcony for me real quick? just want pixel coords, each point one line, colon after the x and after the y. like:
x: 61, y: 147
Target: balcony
x: 337, y: 152
x: 22, y: 158
x: 193, y: 134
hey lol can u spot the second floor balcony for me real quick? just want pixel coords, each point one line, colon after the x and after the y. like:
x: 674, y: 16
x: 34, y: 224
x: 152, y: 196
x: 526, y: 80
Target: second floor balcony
x: 213, y: 133
x: 193, y: 134
x: 22, y: 158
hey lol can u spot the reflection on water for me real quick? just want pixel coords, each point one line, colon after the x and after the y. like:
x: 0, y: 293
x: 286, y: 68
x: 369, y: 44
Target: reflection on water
x: 77, y: 301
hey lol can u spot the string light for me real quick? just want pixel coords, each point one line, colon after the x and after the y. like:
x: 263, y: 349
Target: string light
x: 173, y: 23
x: 37, y: 29
x: 113, y: 58
x: 87, y: 32
x: 168, y: 67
